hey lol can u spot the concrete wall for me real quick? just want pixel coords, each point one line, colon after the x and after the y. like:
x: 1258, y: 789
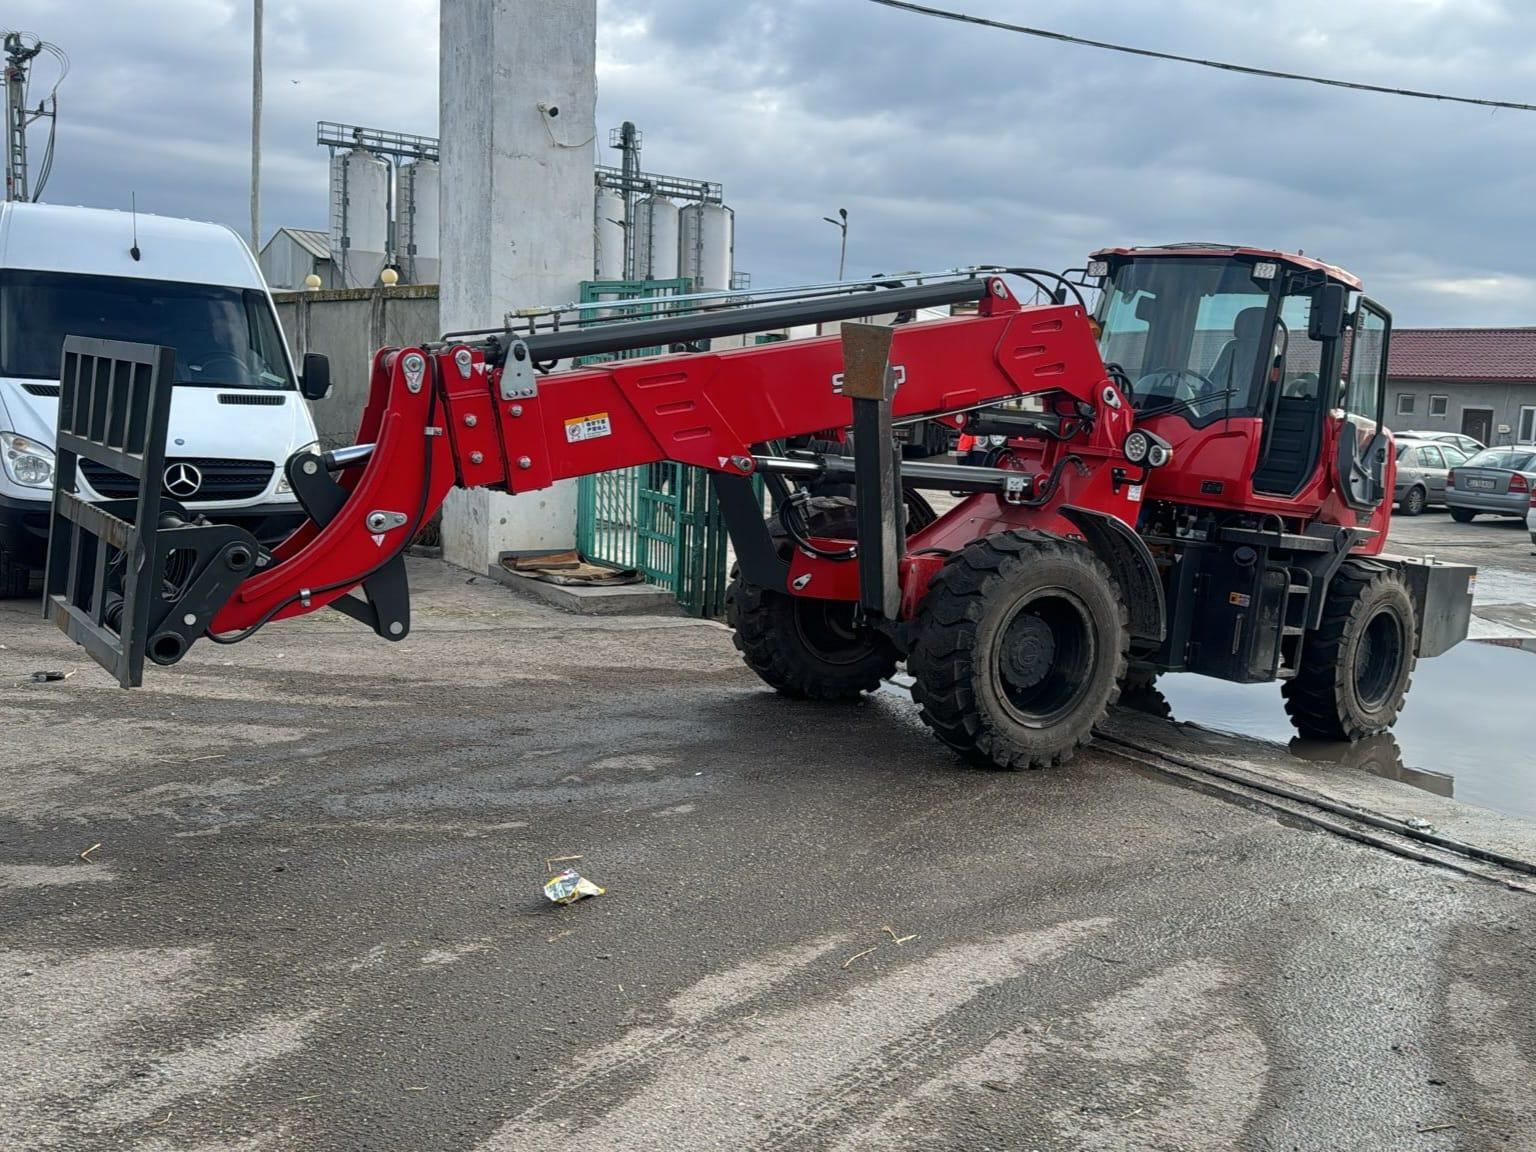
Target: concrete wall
x: 1504, y: 398
x: 348, y: 325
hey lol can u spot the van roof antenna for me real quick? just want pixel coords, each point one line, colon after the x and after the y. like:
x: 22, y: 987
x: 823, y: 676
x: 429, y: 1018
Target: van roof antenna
x: 133, y: 211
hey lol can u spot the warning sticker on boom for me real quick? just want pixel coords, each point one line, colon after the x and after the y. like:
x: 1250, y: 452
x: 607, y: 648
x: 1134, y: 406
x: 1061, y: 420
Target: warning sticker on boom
x: 587, y: 427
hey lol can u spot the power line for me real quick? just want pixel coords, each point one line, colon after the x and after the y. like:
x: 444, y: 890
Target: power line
x: 1224, y: 66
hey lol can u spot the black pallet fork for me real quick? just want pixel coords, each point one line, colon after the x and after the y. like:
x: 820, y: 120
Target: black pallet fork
x: 135, y: 577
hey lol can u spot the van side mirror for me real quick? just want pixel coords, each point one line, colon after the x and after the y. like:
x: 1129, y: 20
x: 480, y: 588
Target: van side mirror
x: 315, y: 381
x: 1327, y: 319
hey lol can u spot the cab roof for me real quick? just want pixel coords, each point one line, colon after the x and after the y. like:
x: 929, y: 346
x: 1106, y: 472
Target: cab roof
x: 97, y: 241
x: 1197, y: 248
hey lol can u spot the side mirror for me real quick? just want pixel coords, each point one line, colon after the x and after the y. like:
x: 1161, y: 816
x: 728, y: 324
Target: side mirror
x: 315, y: 381
x: 1327, y: 319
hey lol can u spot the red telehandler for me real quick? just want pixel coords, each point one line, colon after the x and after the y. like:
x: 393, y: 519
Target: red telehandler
x: 1194, y: 479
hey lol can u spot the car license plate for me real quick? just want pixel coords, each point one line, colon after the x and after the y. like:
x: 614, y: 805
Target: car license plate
x: 1478, y: 482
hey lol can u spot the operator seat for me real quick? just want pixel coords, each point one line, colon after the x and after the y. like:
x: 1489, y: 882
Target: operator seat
x: 1235, y: 361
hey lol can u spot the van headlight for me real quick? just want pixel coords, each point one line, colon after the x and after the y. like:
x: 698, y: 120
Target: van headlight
x: 283, y: 487
x: 27, y: 462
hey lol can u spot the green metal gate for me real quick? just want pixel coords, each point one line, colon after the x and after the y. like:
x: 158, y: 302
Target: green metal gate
x: 661, y: 519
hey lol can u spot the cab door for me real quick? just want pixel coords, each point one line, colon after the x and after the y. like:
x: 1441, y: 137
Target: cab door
x: 1363, y: 458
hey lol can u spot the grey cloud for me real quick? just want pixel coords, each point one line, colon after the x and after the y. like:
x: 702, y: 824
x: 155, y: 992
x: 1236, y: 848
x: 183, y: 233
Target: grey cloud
x: 947, y: 144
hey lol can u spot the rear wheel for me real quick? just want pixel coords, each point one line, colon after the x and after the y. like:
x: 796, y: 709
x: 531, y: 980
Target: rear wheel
x: 1413, y: 501
x: 1462, y: 515
x: 1020, y: 645
x: 1355, y: 669
x: 15, y: 577
x: 804, y: 647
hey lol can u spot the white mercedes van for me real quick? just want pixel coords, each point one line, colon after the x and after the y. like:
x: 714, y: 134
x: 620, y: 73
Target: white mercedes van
x: 237, y: 411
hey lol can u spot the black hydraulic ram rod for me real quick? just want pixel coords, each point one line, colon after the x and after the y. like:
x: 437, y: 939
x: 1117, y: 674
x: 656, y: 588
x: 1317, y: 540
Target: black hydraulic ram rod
x: 545, y: 347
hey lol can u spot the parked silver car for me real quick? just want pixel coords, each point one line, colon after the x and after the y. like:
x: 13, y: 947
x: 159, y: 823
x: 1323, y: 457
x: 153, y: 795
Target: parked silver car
x: 1457, y: 439
x: 1496, y: 481
x: 1421, y: 473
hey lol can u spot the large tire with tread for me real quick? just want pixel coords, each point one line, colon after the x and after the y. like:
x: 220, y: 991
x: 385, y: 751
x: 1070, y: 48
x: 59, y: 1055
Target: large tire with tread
x: 1414, y: 501
x: 1356, y: 668
x: 803, y: 647
x: 1021, y: 644
x: 15, y: 578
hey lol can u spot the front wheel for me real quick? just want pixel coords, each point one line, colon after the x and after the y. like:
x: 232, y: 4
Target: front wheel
x: 1021, y: 642
x: 804, y: 647
x: 1462, y: 515
x: 1355, y: 669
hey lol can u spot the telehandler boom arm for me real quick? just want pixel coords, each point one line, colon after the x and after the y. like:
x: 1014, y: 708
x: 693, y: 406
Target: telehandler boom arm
x: 487, y: 412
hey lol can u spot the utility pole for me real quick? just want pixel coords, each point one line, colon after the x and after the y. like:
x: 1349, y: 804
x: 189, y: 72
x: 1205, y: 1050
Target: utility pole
x: 841, y: 223
x: 17, y: 57
x: 629, y: 152
x: 256, y: 127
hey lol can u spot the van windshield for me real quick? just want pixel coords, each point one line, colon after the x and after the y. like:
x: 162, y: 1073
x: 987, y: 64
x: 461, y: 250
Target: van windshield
x: 224, y: 337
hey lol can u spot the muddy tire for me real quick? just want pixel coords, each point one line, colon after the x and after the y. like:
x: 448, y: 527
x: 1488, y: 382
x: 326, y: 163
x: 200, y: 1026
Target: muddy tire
x: 1414, y: 501
x: 1462, y: 515
x: 15, y: 578
x: 1139, y: 691
x: 1021, y: 643
x: 807, y: 648
x: 1138, y: 678
x: 1356, y: 668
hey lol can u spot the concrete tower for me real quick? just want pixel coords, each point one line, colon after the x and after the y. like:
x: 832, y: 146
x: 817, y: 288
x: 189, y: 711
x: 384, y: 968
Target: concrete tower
x: 518, y: 93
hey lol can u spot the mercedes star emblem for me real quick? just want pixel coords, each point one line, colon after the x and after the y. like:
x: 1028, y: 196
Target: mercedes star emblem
x: 183, y: 479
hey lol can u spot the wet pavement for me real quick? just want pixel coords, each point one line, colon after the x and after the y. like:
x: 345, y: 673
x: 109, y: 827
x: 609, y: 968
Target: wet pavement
x: 1466, y: 731
x: 287, y: 897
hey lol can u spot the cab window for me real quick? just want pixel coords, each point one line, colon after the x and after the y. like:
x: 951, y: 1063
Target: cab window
x: 1367, y: 363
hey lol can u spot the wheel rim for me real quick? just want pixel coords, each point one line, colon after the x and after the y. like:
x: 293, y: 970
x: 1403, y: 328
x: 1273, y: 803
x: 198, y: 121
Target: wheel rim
x: 1416, y: 501
x: 1042, y: 661
x: 827, y: 630
x: 1378, y: 659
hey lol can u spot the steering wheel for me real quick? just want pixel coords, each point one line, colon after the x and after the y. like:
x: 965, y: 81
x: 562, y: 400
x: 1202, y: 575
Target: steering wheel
x: 202, y: 366
x: 1302, y: 386
x: 1170, y: 386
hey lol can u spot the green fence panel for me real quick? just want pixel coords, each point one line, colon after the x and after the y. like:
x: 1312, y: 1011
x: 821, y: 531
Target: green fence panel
x: 661, y: 519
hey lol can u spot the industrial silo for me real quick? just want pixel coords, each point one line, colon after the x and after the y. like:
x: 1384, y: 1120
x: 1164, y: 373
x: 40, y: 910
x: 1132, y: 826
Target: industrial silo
x: 418, y: 189
x: 656, y: 232
x: 359, y: 215
x: 706, y: 251
x: 608, y: 228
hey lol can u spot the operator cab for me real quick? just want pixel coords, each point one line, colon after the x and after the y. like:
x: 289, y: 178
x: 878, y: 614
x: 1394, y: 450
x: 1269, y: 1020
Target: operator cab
x: 1204, y: 335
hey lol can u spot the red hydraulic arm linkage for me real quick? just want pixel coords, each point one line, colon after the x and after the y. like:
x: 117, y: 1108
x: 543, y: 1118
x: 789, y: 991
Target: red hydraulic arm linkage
x: 451, y: 415
x: 140, y: 578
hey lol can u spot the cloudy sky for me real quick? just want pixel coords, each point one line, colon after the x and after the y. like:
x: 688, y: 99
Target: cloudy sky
x: 947, y: 144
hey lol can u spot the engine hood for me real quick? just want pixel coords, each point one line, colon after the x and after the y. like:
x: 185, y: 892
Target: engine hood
x: 226, y: 423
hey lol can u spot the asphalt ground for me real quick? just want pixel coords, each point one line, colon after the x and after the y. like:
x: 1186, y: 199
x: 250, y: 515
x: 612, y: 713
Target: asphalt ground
x: 308, y: 916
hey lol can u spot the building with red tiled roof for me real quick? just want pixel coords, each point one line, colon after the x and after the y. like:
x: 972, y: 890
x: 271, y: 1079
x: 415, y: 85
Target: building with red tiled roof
x: 1477, y: 381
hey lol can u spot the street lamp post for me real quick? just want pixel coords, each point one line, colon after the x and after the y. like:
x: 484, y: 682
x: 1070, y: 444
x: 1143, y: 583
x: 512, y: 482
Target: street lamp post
x: 256, y: 126
x: 841, y: 224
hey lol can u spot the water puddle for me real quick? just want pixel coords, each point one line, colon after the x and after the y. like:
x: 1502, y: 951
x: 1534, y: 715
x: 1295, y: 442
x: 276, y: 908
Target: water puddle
x: 1464, y: 731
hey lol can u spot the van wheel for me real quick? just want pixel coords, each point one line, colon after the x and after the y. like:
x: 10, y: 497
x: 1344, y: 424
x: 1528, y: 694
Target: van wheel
x: 1462, y: 515
x: 15, y: 578
x: 1414, y: 501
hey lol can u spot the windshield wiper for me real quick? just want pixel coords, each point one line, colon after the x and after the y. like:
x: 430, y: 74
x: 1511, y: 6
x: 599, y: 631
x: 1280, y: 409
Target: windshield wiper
x: 1179, y: 406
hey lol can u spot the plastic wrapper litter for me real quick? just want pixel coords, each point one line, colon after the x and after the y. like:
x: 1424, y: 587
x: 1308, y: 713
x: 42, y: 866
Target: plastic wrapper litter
x: 570, y: 886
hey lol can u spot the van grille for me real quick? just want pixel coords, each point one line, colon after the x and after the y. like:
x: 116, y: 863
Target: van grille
x: 38, y: 389
x: 222, y: 479
x: 251, y: 398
